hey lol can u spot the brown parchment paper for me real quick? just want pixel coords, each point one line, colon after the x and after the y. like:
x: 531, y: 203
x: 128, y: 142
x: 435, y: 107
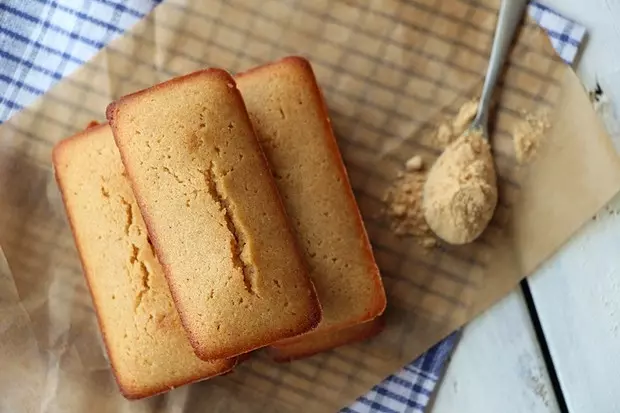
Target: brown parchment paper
x: 390, y: 70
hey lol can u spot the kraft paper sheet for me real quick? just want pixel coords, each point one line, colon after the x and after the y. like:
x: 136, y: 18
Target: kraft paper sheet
x: 391, y: 71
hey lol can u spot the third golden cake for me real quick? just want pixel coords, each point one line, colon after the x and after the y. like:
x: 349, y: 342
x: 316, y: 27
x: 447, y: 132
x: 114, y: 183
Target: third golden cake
x: 291, y: 121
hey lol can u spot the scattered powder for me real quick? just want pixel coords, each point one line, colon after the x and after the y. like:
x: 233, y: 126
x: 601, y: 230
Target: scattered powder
x: 464, y: 117
x: 415, y: 163
x: 443, y: 135
x: 404, y: 207
x: 459, y: 200
x: 460, y: 194
x: 404, y: 199
x: 528, y: 135
x: 448, y: 131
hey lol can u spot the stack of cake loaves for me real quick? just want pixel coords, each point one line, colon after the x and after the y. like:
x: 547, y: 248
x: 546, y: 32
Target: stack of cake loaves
x: 213, y: 217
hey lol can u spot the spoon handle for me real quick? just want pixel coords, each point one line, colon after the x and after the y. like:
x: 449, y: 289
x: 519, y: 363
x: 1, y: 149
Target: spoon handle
x: 510, y: 14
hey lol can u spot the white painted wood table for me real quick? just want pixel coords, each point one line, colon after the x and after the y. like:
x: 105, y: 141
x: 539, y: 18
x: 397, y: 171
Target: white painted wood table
x: 499, y: 365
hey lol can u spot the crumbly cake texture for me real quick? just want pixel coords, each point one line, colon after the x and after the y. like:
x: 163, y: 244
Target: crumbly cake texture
x: 146, y: 344
x: 317, y: 342
x: 292, y: 125
x: 214, y: 214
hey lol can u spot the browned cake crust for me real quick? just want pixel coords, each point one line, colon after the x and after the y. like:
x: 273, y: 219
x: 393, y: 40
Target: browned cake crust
x: 291, y: 122
x: 147, y: 346
x: 318, y: 341
x: 214, y: 214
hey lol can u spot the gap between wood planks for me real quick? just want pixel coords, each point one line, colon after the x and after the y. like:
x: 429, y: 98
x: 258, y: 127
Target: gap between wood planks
x: 544, y: 347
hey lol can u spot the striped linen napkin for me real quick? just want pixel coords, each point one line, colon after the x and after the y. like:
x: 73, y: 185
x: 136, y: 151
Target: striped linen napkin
x: 42, y: 41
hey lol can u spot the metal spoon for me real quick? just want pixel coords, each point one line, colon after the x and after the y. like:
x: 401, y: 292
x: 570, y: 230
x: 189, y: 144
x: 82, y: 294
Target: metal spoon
x: 510, y: 14
x: 459, y: 200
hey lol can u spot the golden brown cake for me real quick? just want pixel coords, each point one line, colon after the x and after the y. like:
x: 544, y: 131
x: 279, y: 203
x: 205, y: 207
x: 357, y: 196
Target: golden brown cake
x: 146, y: 344
x: 293, y: 128
x: 318, y: 341
x: 214, y: 214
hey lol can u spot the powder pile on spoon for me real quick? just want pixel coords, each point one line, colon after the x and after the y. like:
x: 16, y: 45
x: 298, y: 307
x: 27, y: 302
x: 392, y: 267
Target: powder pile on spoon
x: 460, y: 193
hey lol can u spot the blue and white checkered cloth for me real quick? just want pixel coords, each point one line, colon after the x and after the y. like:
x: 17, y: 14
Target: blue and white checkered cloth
x: 41, y: 41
